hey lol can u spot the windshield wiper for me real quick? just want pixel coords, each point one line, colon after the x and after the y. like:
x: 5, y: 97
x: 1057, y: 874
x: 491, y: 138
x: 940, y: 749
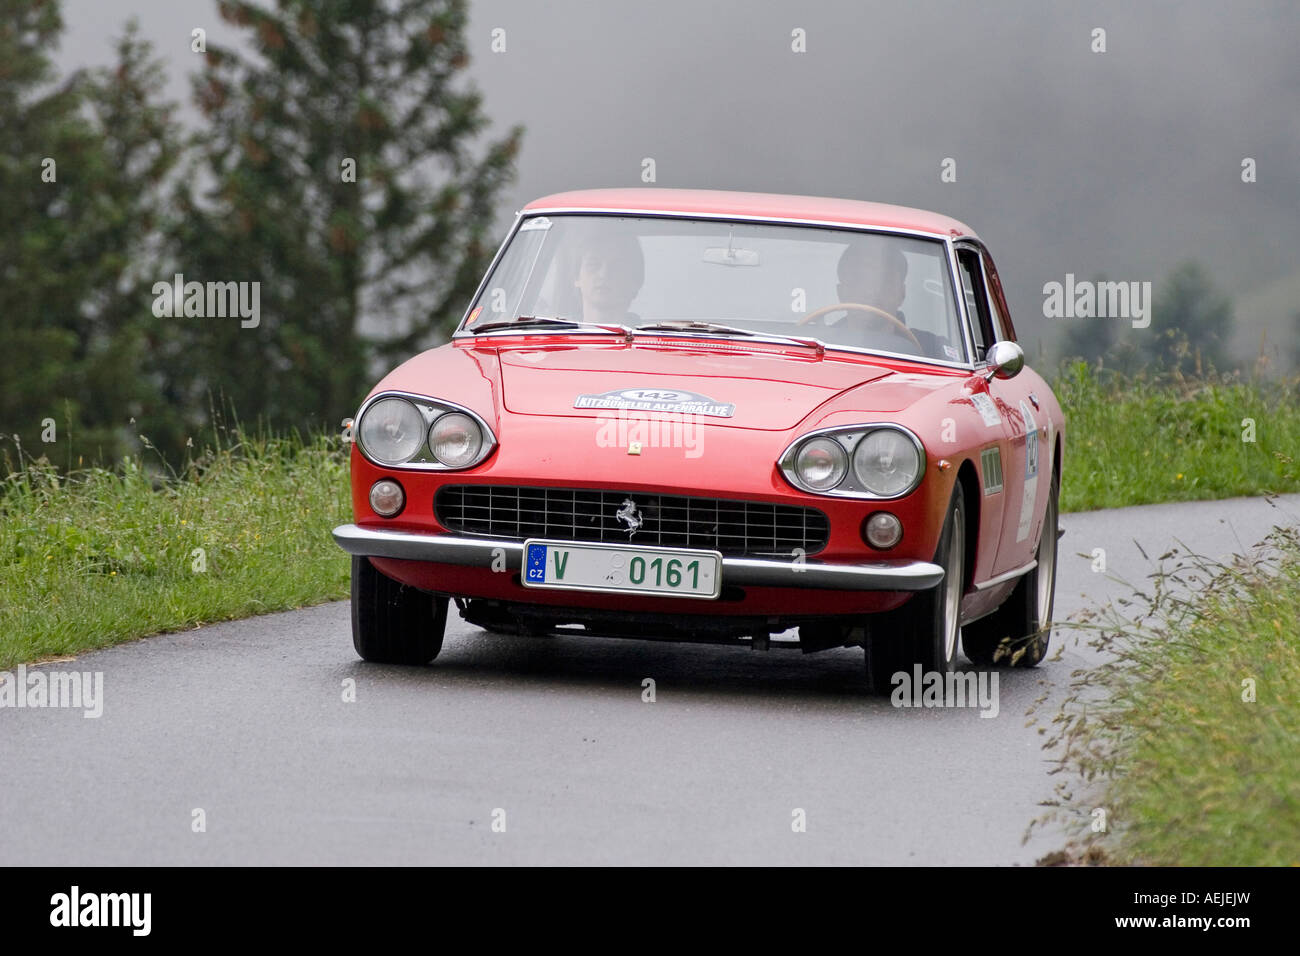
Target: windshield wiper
x: 689, y: 325
x: 551, y: 322
x: 694, y: 326
x: 528, y: 322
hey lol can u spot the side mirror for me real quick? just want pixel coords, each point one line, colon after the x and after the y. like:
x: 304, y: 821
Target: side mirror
x: 1005, y: 359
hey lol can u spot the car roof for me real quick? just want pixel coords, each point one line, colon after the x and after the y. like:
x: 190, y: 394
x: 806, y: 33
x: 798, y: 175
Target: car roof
x: 742, y: 205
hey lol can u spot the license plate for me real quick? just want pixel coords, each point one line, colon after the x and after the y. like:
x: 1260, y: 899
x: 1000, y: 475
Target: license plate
x: 622, y: 569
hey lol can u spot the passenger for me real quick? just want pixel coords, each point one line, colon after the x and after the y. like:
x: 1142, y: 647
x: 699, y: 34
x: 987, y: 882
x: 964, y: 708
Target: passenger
x: 611, y: 270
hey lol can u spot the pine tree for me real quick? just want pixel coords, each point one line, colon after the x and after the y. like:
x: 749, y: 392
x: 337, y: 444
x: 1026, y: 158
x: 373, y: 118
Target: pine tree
x: 347, y: 177
x: 1089, y: 339
x: 82, y: 162
x: 1191, y: 323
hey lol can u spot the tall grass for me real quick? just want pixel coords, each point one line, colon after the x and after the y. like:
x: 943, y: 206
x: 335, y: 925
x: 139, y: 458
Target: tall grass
x: 94, y: 557
x: 1185, y: 743
x: 1141, y: 440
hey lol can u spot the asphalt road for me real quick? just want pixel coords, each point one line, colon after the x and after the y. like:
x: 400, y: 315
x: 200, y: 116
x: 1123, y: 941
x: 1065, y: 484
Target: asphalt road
x: 246, y: 722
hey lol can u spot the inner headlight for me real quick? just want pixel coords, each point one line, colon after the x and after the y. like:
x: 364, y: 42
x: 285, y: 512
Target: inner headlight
x: 392, y: 431
x: 821, y: 463
x: 886, y: 462
x: 455, y: 440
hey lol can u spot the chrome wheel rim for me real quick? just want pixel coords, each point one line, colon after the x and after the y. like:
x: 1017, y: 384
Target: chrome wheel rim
x: 952, y: 587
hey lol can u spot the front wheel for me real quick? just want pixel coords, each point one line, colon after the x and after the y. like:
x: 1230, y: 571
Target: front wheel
x: 923, y: 631
x: 393, y: 623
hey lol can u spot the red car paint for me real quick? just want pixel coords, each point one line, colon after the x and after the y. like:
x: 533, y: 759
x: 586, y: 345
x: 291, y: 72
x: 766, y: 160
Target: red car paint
x: 523, y: 387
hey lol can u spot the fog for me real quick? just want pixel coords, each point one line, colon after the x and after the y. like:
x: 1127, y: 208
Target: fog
x: 1123, y: 162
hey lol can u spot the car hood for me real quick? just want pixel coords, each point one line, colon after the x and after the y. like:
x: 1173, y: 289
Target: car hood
x: 725, y: 386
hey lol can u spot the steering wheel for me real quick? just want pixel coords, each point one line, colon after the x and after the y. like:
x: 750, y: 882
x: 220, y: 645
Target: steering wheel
x: 859, y: 307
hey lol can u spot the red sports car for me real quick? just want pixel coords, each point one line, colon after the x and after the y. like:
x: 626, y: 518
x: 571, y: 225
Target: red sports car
x: 714, y: 416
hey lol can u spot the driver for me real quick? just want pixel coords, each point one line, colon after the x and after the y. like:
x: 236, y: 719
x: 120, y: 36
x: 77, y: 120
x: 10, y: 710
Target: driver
x: 873, y: 271
x: 611, y: 269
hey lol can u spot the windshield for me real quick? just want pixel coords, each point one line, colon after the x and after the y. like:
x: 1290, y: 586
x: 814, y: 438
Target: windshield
x: 875, y: 291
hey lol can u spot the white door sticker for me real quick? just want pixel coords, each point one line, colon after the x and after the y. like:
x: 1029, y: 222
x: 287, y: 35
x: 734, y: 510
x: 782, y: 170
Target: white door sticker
x: 988, y: 411
x: 1031, y: 473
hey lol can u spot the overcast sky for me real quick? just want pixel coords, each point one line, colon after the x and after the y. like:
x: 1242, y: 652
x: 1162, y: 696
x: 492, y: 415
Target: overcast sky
x: 1067, y: 160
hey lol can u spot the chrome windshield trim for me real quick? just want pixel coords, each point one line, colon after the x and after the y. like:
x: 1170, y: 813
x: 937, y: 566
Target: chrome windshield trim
x: 946, y: 238
x: 482, y: 283
x: 727, y: 217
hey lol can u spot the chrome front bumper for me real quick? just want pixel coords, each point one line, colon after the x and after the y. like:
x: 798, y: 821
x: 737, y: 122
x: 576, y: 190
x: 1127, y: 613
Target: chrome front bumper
x: 755, y: 572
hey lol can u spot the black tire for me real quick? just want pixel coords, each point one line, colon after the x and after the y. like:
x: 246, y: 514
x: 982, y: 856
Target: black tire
x: 391, y: 622
x: 1017, y: 633
x: 927, y: 628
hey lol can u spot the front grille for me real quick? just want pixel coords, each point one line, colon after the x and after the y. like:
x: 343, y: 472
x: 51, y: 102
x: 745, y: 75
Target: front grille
x: 735, y: 528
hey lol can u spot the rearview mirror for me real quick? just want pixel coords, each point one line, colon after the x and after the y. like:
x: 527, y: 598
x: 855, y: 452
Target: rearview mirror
x: 731, y: 256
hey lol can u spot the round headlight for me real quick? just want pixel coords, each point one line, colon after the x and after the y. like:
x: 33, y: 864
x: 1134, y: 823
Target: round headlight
x: 392, y: 431
x: 886, y: 462
x: 455, y: 440
x: 821, y: 463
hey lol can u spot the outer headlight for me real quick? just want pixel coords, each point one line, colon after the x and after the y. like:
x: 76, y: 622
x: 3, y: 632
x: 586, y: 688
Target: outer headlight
x: 886, y: 462
x: 874, y: 460
x: 421, y: 433
x: 821, y: 463
x: 391, y: 431
x: 455, y: 440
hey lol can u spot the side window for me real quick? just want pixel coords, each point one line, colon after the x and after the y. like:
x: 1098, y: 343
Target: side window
x: 1001, y: 317
x: 977, y: 300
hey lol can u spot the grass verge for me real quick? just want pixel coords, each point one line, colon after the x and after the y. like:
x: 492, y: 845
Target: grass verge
x: 98, y: 557
x: 1185, y: 745
x: 1134, y: 441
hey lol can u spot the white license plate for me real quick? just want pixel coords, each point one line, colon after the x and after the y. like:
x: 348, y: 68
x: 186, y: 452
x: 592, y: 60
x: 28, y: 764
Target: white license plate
x: 621, y: 569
